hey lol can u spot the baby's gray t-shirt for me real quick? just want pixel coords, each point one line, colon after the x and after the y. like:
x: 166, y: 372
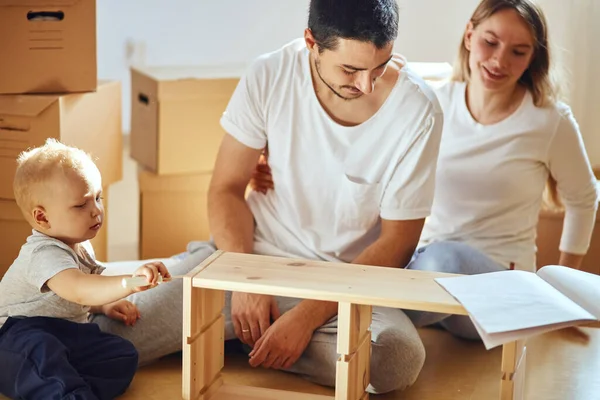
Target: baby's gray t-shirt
x: 23, y: 289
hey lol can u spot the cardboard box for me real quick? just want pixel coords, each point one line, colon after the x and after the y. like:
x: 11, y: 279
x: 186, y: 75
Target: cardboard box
x: 90, y: 121
x: 175, y: 114
x: 173, y: 212
x: 14, y: 230
x: 549, y: 231
x: 47, y: 46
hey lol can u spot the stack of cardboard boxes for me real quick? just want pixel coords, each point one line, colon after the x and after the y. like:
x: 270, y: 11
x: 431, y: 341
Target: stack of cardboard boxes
x: 175, y: 137
x: 49, y: 89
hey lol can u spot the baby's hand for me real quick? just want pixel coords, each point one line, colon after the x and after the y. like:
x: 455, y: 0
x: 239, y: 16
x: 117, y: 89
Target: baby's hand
x: 122, y: 310
x: 151, y: 271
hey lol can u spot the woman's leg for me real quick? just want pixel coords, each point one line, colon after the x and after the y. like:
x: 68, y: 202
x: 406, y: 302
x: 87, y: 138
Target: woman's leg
x: 455, y: 258
x: 159, y: 331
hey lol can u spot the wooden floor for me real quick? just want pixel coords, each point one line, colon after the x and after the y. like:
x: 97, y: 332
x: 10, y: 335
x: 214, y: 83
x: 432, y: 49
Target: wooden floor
x: 560, y: 366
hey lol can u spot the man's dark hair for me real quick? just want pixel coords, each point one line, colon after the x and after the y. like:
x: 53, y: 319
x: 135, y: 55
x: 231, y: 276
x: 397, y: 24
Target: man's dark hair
x: 373, y: 21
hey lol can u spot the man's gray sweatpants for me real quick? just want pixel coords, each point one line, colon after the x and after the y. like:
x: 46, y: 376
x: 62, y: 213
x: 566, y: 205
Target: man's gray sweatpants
x: 397, y: 355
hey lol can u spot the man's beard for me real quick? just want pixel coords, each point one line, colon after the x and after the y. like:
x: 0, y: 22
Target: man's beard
x: 318, y: 69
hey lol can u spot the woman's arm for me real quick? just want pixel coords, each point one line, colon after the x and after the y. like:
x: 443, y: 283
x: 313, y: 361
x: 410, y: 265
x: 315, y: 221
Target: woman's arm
x: 569, y: 165
x: 571, y: 260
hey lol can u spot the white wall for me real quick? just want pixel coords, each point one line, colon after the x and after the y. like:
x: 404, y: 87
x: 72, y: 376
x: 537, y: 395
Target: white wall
x: 236, y: 31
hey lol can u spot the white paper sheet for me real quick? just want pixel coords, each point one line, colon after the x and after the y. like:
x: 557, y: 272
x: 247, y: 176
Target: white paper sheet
x: 510, y: 305
x: 581, y: 287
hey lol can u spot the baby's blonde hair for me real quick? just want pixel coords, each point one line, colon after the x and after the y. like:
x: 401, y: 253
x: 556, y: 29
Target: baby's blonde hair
x: 36, y: 167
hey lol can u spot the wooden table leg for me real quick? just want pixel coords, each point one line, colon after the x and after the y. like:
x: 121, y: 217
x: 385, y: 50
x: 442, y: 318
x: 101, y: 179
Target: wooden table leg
x: 512, y: 384
x: 203, y: 344
x: 354, y: 346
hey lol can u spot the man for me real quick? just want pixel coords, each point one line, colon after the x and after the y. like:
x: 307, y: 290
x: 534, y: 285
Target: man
x: 353, y: 138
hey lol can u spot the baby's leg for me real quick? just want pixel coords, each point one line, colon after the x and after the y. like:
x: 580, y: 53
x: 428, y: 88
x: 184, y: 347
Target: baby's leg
x: 47, y: 358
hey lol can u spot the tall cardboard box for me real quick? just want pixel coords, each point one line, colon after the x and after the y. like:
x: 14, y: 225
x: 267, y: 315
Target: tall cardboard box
x: 173, y: 212
x: 90, y: 121
x: 47, y: 46
x: 175, y: 114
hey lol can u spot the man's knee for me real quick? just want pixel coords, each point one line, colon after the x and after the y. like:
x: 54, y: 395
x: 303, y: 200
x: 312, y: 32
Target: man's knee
x: 396, y: 361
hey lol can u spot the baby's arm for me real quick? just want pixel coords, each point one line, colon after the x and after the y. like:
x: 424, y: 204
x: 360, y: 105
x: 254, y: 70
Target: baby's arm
x: 97, y: 290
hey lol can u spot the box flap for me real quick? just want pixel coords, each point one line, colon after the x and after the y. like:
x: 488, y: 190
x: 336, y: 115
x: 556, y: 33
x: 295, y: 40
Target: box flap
x: 176, y: 73
x: 25, y: 106
x: 33, y: 3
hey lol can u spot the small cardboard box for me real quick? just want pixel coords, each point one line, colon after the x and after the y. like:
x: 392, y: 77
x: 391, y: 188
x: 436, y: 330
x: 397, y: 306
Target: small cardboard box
x: 90, y: 121
x: 175, y: 117
x: 173, y: 212
x: 14, y: 230
x: 47, y: 46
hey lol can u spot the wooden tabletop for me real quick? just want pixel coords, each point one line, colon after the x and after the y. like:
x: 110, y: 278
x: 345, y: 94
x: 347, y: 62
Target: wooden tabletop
x: 328, y: 281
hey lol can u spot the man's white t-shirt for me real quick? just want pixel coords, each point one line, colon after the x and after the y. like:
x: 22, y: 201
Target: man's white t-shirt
x: 333, y: 184
x: 491, y: 178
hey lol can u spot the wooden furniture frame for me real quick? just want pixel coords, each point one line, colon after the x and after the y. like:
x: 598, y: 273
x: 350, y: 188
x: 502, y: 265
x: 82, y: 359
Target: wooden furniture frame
x: 356, y: 288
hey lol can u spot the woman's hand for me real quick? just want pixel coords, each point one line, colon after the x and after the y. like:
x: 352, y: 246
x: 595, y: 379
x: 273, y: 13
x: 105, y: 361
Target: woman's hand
x: 262, y: 180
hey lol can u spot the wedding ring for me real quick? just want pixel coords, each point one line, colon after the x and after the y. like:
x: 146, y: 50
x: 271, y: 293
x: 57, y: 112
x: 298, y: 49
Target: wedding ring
x: 245, y: 330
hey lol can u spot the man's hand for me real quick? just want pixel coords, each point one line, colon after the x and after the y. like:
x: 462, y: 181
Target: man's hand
x: 283, y: 343
x: 122, y: 310
x: 251, y: 315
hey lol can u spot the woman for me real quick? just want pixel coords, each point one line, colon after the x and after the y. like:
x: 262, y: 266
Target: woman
x: 505, y: 136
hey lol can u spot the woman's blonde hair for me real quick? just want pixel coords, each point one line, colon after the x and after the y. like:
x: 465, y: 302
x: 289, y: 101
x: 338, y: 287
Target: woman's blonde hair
x: 540, y: 78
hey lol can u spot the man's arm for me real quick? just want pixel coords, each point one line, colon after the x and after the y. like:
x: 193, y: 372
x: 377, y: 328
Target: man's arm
x: 394, y: 248
x: 232, y: 227
x: 231, y: 222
